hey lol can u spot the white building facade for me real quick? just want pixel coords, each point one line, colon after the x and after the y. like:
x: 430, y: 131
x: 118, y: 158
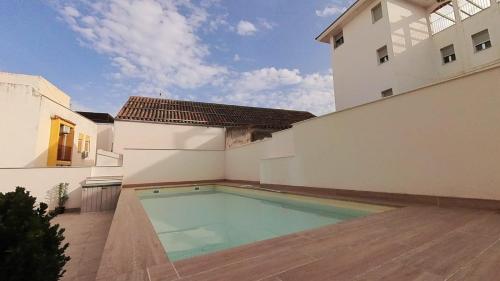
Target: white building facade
x: 386, y: 47
x: 38, y: 127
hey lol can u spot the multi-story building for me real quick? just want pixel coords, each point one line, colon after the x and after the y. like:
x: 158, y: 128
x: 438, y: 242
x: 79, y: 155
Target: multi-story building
x: 386, y: 47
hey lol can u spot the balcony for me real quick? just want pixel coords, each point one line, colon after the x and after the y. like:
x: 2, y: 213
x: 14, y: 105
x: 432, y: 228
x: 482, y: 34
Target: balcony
x: 64, y: 153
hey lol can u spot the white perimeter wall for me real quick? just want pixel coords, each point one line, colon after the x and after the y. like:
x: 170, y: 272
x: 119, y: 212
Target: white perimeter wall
x: 441, y: 140
x: 105, y: 136
x: 243, y: 162
x: 142, y: 166
x: 142, y: 135
x: 40, y: 180
x: 108, y: 159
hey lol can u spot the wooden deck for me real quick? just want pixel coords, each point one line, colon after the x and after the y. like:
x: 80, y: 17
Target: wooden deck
x: 411, y: 243
x: 86, y: 234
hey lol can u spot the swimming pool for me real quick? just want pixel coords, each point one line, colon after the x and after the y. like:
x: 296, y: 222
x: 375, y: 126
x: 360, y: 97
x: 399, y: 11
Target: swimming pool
x: 196, y: 220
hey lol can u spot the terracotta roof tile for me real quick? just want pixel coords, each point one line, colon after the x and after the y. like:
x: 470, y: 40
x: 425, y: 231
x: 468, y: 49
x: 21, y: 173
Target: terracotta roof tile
x: 160, y: 110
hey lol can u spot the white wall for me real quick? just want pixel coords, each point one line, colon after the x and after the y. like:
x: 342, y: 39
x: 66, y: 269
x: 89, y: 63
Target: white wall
x: 358, y: 76
x: 108, y: 159
x: 25, y: 121
x: 40, y: 85
x: 105, y: 136
x: 82, y: 125
x: 104, y: 171
x: 440, y: 140
x: 242, y: 162
x: 280, y: 145
x: 460, y: 36
x: 142, y: 166
x: 19, y: 113
x: 414, y: 65
x: 415, y: 58
x: 164, y: 136
x: 40, y: 180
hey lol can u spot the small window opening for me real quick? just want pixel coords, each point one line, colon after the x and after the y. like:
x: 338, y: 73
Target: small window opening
x: 387, y: 93
x: 481, y: 40
x: 338, y: 40
x: 448, y: 54
x: 377, y: 13
x: 382, y: 55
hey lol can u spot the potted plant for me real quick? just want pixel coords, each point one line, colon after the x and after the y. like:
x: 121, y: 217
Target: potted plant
x: 62, y: 197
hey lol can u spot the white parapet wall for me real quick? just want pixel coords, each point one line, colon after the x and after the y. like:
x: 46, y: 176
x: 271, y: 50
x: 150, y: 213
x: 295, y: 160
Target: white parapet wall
x: 242, y: 163
x: 40, y: 181
x: 441, y: 140
x: 147, y: 135
x: 143, y: 166
x: 108, y: 159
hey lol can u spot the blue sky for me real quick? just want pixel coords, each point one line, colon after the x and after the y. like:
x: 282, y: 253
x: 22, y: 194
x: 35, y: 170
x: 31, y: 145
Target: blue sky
x: 257, y: 53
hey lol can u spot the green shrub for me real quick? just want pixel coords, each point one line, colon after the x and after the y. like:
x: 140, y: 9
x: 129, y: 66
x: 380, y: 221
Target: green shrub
x: 30, y: 247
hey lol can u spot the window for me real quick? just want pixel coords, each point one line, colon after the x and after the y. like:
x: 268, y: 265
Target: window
x: 387, y: 93
x: 62, y: 134
x: 80, y: 143
x: 377, y: 13
x: 87, y: 144
x: 382, y: 55
x: 481, y: 40
x: 442, y: 17
x: 448, y: 54
x: 86, y: 148
x: 338, y: 40
x: 468, y: 8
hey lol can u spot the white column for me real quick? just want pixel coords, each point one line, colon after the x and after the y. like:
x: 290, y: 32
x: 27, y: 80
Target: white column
x: 456, y: 10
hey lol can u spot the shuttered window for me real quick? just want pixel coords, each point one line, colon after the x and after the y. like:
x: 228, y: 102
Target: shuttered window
x: 377, y: 13
x: 448, y: 54
x: 382, y: 55
x: 338, y: 40
x: 481, y: 40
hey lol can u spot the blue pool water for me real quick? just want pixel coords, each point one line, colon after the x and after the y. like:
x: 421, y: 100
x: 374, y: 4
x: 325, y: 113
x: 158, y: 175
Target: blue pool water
x: 193, y: 222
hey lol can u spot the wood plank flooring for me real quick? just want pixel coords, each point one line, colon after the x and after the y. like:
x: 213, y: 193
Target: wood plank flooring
x: 411, y: 243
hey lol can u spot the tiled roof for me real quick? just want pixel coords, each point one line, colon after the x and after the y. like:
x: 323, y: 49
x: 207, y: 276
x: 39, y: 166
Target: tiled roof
x: 97, y: 117
x: 160, y: 110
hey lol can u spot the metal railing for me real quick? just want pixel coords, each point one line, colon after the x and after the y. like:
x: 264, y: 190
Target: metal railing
x: 64, y: 153
x: 469, y: 8
x: 441, y: 21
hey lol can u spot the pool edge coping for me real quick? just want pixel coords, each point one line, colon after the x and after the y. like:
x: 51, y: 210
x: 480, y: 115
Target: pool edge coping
x: 154, y: 256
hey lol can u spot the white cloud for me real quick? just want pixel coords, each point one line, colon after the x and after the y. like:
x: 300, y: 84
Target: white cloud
x: 246, y: 28
x: 266, y: 24
x: 333, y: 9
x: 147, y: 40
x: 71, y: 12
x: 281, y: 88
x: 154, y: 47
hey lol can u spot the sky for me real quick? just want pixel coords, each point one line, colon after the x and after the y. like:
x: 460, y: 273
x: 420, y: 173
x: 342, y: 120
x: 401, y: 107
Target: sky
x: 255, y: 53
